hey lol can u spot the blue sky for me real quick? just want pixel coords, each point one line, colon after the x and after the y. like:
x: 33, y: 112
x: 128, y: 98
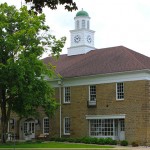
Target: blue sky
x: 115, y: 22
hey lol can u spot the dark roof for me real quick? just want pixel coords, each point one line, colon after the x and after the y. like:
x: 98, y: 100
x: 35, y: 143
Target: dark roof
x: 100, y: 61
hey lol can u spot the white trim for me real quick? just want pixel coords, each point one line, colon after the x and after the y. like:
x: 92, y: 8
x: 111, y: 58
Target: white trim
x: 117, y: 99
x: 118, y: 116
x: 91, y: 102
x: 64, y: 125
x: 43, y: 126
x: 105, y: 78
x: 64, y: 98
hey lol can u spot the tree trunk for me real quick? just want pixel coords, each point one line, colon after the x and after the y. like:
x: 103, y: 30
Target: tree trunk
x: 4, y: 131
x: 4, y: 118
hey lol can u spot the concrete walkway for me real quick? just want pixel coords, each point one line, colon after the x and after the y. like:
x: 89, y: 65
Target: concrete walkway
x: 131, y: 148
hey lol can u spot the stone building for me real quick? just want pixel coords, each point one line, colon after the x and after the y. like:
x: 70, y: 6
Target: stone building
x: 102, y: 92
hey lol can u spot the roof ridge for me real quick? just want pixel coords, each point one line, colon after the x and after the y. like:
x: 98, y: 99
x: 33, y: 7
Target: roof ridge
x: 130, y: 52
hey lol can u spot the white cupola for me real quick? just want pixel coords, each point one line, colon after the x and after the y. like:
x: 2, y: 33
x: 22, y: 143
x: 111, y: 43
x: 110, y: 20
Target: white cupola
x: 82, y: 38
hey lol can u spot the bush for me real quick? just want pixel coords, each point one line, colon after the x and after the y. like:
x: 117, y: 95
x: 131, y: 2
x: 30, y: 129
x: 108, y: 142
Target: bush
x: 87, y: 140
x: 114, y: 142
x: 101, y: 141
x: 124, y: 143
x: 39, y: 141
x: 134, y: 144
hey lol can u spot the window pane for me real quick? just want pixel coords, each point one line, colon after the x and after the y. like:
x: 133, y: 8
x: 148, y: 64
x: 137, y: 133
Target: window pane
x: 46, y: 125
x: 101, y: 127
x: 67, y: 94
x: 120, y: 91
x: 67, y: 125
x: 93, y: 93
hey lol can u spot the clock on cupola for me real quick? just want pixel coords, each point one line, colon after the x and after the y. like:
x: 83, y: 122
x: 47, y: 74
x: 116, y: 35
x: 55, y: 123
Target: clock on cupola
x: 82, y: 38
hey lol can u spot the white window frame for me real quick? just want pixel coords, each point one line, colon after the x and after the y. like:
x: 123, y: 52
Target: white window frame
x: 66, y: 91
x: 47, y: 127
x: 67, y: 125
x: 98, y: 128
x: 91, y: 94
x: 120, y: 91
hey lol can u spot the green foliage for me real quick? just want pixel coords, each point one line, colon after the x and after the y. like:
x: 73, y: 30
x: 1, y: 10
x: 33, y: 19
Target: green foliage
x: 87, y: 140
x: 24, y: 38
x: 52, y: 4
x: 124, y: 143
x: 134, y: 144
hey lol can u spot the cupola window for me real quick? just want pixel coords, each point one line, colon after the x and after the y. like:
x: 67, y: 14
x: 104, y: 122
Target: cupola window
x: 88, y: 25
x: 77, y: 24
x: 83, y: 23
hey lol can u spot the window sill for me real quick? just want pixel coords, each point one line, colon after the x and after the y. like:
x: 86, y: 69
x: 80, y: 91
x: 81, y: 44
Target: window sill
x: 65, y: 103
x: 119, y: 99
x: 66, y: 133
x: 91, y: 103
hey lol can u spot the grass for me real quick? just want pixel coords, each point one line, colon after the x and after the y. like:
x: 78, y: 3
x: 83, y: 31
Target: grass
x: 51, y: 145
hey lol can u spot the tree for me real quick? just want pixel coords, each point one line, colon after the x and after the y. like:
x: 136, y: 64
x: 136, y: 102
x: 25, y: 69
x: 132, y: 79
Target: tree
x: 23, y: 39
x: 38, y: 5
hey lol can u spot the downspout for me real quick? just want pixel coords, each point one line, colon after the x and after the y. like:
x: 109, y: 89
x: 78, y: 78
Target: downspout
x: 60, y: 102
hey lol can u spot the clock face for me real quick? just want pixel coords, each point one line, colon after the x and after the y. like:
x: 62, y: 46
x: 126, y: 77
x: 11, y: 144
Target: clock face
x: 89, y: 39
x: 77, y: 39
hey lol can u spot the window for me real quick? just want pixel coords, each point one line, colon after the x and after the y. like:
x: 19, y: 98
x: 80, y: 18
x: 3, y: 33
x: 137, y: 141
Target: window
x: 67, y: 126
x: 88, y: 25
x: 120, y: 91
x: 46, y: 125
x: 92, y: 93
x: 83, y: 23
x: 67, y: 95
x: 101, y: 127
x: 77, y: 24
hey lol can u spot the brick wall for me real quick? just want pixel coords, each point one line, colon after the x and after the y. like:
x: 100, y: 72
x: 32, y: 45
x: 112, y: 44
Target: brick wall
x: 135, y: 105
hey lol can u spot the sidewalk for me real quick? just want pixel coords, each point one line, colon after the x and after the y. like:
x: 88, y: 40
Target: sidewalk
x: 131, y: 148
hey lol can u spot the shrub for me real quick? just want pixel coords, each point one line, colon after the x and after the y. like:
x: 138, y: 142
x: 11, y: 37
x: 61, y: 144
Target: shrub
x: 134, y: 144
x: 101, y: 141
x: 114, y: 142
x: 85, y: 140
x: 39, y: 141
x: 71, y: 140
x: 94, y: 140
x: 77, y: 140
x: 108, y: 141
x: 124, y: 143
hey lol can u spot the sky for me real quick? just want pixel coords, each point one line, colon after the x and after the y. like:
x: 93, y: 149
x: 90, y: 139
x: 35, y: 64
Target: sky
x: 115, y: 22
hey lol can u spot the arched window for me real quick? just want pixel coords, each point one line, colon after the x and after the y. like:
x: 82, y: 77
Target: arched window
x: 77, y: 24
x: 83, y: 23
x: 88, y: 25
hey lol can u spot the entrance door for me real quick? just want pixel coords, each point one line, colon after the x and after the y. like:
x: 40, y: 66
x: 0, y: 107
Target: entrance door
x: 121, y: 130
x: 29, y: 130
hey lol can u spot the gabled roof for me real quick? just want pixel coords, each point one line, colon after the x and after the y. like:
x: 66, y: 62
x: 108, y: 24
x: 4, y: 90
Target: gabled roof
x: 100, y: 61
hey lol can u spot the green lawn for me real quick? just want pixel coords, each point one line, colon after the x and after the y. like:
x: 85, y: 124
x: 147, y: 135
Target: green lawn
x: 51, y: 145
